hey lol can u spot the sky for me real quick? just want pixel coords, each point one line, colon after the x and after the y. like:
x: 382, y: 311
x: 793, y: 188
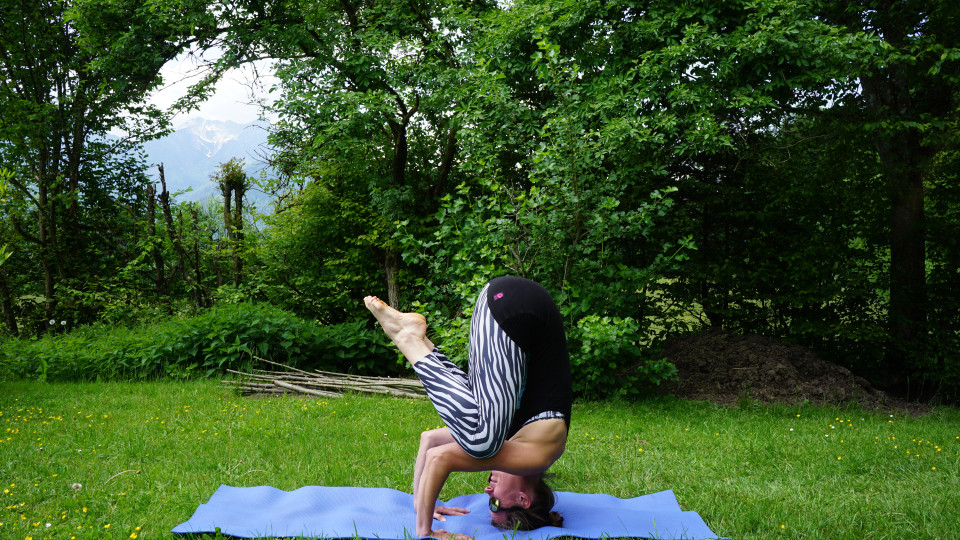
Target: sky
x: 235, y: 93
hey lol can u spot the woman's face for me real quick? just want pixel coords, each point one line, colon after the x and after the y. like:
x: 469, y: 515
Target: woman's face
x: 510, y: 490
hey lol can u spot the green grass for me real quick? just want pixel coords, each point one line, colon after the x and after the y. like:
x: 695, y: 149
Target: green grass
x: 147, y: 454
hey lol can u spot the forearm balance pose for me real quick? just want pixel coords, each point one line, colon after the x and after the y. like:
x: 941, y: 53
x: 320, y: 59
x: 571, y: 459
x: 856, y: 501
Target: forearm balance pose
x: 509, y: 414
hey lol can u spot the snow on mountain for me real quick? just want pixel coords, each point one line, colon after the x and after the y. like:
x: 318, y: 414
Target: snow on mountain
x: 195, y: 150
x: 212, y: 135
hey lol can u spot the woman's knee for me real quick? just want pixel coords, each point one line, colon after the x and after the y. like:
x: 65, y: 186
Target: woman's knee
x: 435, y: 437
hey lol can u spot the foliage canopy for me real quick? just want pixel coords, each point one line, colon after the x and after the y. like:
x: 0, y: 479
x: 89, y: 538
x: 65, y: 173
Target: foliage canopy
x: 784, y: 167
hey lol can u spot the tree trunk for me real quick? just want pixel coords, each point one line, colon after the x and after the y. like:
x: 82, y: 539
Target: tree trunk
x: 904, y: 158
x: 199, y: 297
x: 238, y: 192
x: 227, y: 215
x: 232, y: 191
x: 399, y: 164
x: 6, y: 304
x: 176, y: 235
x: 47, y: 248
x: 908, y: 285
x: 391, y: 264
x: 159, y: 276
x: 391, y: 259
x: 446, y: 164
x: 70, y: 240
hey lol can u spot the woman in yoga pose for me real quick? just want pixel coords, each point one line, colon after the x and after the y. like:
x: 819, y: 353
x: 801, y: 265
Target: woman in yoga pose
x: 510, y: 414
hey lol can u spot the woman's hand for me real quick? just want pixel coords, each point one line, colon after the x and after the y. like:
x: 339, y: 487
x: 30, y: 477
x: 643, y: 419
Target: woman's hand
x: 444, y: 535
x: 440, y: 511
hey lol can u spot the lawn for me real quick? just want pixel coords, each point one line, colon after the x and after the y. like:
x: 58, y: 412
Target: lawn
x: 132, y: 460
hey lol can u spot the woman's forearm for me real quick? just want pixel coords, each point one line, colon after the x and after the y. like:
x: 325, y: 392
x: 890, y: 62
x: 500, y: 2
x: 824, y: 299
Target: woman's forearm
x: 433, y: 475
x: 428, y: 439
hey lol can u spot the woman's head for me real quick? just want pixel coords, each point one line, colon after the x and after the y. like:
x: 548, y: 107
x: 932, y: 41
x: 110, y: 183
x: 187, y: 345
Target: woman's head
x: 521, y: 502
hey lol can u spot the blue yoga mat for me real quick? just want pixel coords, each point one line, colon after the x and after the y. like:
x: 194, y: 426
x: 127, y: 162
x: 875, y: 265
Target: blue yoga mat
x: 387, y: 514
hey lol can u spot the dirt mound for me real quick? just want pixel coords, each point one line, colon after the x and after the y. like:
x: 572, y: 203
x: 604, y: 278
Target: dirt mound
x: 725, y: 368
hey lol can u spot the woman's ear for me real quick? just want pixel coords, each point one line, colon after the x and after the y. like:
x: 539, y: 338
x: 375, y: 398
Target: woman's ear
x: 524, y: 500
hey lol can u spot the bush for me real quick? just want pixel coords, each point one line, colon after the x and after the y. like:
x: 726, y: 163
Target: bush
x: 607, y: 360
x: 609, y: 356
x: 224, y: 337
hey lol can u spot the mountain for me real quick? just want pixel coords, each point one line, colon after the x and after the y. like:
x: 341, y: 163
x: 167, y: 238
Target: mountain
x: 195, y: 150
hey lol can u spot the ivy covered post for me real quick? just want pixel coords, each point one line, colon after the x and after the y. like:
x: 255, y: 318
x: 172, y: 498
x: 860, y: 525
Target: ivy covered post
x: 233, y: 183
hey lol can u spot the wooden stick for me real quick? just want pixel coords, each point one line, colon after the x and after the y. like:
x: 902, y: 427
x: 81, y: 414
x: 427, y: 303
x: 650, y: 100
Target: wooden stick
x: 321, y: 383
x: 303, y: 390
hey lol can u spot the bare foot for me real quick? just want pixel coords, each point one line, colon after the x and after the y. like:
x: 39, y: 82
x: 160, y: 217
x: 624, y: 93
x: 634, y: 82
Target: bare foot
x: 408, y: 331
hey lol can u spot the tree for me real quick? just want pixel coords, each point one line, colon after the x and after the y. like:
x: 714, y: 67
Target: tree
x: 233, y: 184
x: 367, y: 100
x: 6, y: 301
x: 735, y: 104
x: 70, y: 72
x: 909, y: 75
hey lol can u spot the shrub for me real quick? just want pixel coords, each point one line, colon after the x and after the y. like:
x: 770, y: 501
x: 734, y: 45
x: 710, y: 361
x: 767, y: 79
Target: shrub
x: 227, y: 336
x: 606, y: 358
x: 609, y: 356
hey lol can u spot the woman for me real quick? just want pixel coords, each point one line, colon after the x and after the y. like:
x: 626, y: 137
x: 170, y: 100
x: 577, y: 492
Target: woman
x: 509, y: 415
